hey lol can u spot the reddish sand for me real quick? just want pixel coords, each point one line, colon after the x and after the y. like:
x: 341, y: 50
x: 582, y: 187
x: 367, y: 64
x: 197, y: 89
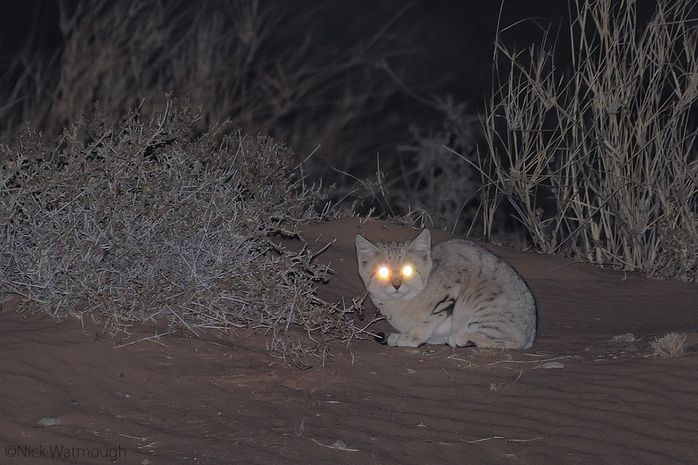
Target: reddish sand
x: 577, y: 397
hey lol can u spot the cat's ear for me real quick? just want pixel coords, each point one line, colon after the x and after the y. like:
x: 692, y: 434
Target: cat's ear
x: 422, y: 243
x: 365, y: 250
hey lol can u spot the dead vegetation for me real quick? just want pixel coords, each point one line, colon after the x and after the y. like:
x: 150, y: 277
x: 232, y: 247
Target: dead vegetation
x: 600, y: 162
x: 255, y: 63
x: 669, y: 345
x: 152, y: 221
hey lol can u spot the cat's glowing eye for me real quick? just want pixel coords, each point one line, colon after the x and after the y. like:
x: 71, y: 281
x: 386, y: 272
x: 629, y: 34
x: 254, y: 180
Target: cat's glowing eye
x: 383, y: 272
x: 407, y: 271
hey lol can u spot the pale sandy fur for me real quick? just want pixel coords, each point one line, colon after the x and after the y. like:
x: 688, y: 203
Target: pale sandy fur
x: 470, y: 296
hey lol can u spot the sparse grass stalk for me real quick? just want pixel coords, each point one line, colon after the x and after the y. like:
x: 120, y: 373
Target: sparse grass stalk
x: 600, y: 162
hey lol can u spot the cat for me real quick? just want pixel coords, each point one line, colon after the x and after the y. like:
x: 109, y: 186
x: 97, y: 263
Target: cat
x: 454, y: 293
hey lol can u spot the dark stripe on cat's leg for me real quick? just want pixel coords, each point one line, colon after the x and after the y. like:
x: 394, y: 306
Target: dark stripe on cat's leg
x: 448, y: 309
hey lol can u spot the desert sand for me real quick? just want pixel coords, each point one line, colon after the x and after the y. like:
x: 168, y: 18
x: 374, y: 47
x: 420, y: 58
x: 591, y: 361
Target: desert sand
x: 586, y: 393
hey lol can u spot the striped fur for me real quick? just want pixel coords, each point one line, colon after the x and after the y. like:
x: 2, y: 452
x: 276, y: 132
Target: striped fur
x: 459, y: 294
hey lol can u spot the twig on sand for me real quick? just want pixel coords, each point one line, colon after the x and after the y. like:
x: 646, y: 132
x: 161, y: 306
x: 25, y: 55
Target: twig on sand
x: 447, y: 375
x: 364, y: 330
x: 140, y: 438
x: 154, y: 338
x: 337, y: 445
x: 503, y: 438
x: 501, y: 387
x: 564, y: 357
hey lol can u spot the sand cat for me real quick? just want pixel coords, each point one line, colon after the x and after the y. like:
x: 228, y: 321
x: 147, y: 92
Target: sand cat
x: 456, y: 293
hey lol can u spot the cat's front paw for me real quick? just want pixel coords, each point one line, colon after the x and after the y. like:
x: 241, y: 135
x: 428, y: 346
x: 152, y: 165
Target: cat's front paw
x: 405, y: 340
x: 460, y: 340
x: 397, y: 339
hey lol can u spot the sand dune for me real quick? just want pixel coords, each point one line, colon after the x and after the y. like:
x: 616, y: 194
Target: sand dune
x: 577, y: 397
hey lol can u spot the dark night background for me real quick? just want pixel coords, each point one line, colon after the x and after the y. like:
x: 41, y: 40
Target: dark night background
x: 449, y: 48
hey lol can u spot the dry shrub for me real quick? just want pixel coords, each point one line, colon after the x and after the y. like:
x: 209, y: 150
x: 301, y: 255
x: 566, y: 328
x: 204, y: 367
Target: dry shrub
x: 669, y: 345
x: 600, y: 162
x: 155, y: 222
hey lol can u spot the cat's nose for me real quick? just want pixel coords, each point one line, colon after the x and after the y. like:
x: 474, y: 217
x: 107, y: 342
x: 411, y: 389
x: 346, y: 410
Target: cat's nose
x: 397, y: 283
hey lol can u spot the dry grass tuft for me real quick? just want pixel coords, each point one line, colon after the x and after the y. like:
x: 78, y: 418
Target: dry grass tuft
x: 669, y: 345
x: 155, y: 222
x: 600, y: 162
